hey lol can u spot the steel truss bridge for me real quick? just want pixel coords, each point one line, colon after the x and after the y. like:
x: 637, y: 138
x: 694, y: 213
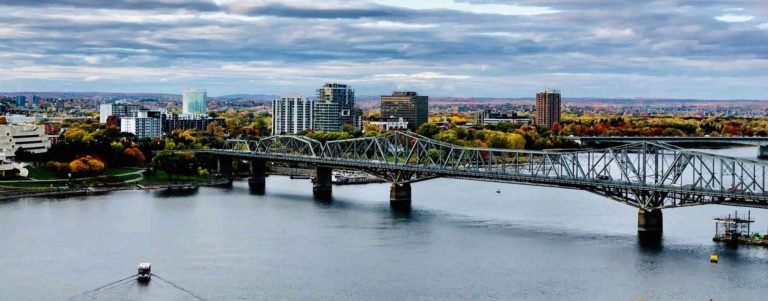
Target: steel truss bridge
x: 646, y: 175
x: 745, y: 140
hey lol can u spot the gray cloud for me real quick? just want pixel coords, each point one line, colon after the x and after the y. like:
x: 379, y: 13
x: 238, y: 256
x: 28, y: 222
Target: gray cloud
x: 271, y: 47
x: 199, y: 5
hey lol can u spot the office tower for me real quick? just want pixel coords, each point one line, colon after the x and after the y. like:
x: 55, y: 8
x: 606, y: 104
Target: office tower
x: 292, y: 114
x: 35, y: 100
x: 408, y: 105
x: 195, y: 101
x: 335, y: 107
x: 21, y: 101
x: 548, y: 108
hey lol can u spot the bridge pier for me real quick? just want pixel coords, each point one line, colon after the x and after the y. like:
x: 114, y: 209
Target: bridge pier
x: 322, y: 187
x: 400, y: 196
x: 224, y: 166
x: 650, y: 224
x: 762, y: 152
x: 258, y: 180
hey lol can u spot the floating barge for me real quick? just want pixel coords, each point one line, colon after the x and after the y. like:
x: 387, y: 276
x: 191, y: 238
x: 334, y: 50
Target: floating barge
x: 735, y: 230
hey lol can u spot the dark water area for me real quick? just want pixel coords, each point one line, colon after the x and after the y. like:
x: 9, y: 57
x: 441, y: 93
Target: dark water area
x: 462, y: 240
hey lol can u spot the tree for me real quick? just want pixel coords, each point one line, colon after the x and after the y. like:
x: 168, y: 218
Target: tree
x: 428, y: 130
x: 135, y: 156
x: 175, y: 163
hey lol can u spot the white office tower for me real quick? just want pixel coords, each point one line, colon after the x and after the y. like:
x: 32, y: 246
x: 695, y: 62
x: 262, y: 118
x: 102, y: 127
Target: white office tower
x: 291, y: 114
x: 195, y: 101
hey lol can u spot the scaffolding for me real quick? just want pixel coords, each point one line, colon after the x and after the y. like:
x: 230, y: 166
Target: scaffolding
x: 733, y: 228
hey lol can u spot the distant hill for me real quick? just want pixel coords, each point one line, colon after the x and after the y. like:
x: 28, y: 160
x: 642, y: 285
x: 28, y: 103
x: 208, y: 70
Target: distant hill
x: 247, y: 97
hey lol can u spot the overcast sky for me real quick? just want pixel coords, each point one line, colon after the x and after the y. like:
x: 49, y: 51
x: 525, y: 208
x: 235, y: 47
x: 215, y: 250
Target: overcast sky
x: 614, y: 48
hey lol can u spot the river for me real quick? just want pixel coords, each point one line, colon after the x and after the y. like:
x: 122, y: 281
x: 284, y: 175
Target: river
x: 462, y: 240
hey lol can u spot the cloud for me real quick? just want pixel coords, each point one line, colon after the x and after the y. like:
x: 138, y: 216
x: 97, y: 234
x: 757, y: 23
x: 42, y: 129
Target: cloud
x: 438, y: 47
x: 388, y: 25
x: 729, y: 18
x: 614, y: 34
x: 197, y: 5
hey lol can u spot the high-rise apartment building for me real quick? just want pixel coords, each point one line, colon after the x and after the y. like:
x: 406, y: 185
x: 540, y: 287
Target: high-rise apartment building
x: 409, y: 105
x: 292, y: 114
x: 195, y: 101
x: 143, y: 126
x: 118, y: 110
x: 548, y: 108
x: 335, y: 107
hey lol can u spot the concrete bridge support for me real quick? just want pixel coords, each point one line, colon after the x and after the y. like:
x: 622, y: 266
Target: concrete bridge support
x: 650, y: 224
x: 257, y: 181
x: 762, y: 152
x: 322, y: 186
x: 224, y: 166
x: 400, y: 196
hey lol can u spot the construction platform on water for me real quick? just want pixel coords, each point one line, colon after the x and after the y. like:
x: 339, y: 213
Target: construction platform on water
x: 735, y: 229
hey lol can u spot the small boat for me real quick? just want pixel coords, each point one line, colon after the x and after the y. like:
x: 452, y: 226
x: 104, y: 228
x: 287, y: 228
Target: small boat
x: 299, y: 177
x: 498, y: 190
x: 145, y: 272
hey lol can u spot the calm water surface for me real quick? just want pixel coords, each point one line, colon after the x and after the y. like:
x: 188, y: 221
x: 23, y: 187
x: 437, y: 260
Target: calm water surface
x: 461, y: 241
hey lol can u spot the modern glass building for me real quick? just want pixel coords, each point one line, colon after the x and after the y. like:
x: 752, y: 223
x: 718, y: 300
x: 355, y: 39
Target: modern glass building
x: 195, y: 101
x: 21, y: 101
x: 407, y: 105
x: 292, y: 114
x: 335, y: 107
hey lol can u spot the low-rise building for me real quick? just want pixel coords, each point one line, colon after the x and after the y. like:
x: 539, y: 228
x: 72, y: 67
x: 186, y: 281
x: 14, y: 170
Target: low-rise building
x: 391, y: 123
x: 29, y: 137
x: 172, y: 122
x: 488, y: 117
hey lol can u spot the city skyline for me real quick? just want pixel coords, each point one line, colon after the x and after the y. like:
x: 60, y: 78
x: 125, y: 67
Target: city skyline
x: 657, y: 49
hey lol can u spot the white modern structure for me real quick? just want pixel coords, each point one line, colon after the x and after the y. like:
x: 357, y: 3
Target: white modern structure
x: 393, y: 123
x: 142, y: 126
x: 292, y: 114
x: 195, y: 101
x: 23, y: 119
x: 29, y: 137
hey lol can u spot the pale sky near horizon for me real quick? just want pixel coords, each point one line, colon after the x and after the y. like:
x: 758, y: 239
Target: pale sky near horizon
x: 591, y: 48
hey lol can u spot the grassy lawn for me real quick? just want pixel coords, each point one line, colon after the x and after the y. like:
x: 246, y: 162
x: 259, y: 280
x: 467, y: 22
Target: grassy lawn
x: 162, y: 177
x: 123, y: 170
x: 41, y: 173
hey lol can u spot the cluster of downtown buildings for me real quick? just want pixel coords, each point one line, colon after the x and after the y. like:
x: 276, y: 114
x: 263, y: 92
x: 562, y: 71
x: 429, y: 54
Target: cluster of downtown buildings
x: 333, y: 108
x: 132, y: 118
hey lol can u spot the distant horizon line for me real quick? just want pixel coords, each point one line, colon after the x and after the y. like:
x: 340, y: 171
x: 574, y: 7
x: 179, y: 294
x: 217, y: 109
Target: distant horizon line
x: 638, y: 98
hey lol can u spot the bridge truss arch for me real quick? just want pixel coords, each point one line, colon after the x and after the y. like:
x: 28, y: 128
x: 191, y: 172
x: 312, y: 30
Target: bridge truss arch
x: 647, y: 175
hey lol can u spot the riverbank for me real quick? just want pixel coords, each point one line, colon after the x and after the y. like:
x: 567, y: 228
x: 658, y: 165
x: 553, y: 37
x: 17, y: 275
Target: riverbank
x: 8, y: 193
